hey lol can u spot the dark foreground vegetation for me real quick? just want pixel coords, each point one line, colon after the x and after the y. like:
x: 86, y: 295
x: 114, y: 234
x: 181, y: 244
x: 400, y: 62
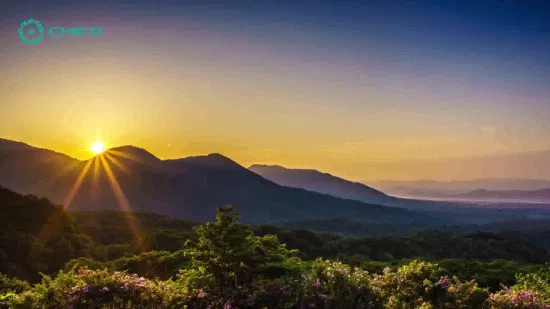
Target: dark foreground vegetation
x: 53, y: 259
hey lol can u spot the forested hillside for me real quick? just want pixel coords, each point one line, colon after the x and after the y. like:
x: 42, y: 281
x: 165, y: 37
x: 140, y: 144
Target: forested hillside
x: 226, y: 264
x: 36, y: 236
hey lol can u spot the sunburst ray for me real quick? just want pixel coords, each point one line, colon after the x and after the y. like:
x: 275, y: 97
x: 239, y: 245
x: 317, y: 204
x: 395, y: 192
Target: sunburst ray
x: 76, y: 186
x: 121, y: 154
x: 123, y: 202
x: 50, y: 222
x: 57, y: 175
x: 116, y: 162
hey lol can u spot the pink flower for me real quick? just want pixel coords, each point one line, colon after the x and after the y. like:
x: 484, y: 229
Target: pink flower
x: 443, y: 282
x: 202, y: 294
x: 317, y: 284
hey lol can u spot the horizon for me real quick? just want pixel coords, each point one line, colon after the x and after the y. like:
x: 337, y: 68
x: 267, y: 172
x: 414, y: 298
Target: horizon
x: 365, y: 91
x: 247, y: 166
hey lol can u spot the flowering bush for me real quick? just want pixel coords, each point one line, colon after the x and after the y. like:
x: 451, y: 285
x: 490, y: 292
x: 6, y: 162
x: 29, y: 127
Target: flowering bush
x: 408, y: 287
x: 537, y: 282
x: 321, y: 285
x: 266, y: 293
x: 416, y: 286
x: 86, y: 288
x: 514, y: 299
x: 454, y: 294
x: 336, y: 285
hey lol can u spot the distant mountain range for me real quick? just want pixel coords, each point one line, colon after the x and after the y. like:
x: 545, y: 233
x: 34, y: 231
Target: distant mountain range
x: 317, y: 181
x: 188, y: 188
x: 433, y: 188
x: 543, y: 194
x: 453, y: 208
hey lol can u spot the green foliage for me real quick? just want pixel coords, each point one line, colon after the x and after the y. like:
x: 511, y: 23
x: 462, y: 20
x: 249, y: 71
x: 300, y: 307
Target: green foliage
x: 12, y: 284
x: 335, y: 285
x: 226, y: 264
x: 489, y: 274
x: 323, y: 285
x: 409, y: 286
x: 429, y: 245
x: 36, y: 236
x: 160, y: 233
x: 84, y: 288
x: 459, y: 295
x: 86, y: 262
x: 536, y: 282
x: 161, y: 264
x: 517, y: 299
x: 228, y: 255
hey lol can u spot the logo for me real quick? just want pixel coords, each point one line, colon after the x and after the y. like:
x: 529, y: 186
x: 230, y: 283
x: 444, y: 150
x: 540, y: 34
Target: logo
x: 31, y: 26
x: 82, y: 31
x: 31, y: 31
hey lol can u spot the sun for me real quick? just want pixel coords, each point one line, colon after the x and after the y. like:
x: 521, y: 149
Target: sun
x: 98, y: 147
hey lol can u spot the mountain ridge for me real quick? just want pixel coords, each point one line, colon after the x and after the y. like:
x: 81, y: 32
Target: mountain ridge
x: 192, y: 188
x: 317, y: 181
x: 507, y: 194
x: 436, y: 188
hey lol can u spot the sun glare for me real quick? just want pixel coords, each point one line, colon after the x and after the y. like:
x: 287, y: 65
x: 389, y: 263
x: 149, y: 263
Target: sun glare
x: 98, y: 147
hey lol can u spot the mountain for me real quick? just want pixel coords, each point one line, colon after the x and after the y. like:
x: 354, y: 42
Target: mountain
x: 434, y: 188
x: 455, y: 210
x: 543, y: 194
x: 135, y: 154
x: 313, y: 180
x: 130, y: 178
x: 26, y: 169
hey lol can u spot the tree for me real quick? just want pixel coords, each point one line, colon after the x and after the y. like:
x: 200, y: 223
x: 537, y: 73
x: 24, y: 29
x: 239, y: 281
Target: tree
x: 230, y: 254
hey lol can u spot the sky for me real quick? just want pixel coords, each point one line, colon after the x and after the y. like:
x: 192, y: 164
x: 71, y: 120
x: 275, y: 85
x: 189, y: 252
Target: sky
x: 347, y: 87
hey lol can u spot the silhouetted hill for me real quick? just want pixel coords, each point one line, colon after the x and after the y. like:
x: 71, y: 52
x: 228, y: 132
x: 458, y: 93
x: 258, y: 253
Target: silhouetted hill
x: 6, y: 144
x: 128, y: 177
x: 27, y: 169
x: 136, y: 154
x: 458, y: 211
x: 211, y: 161
x: 317, y: 181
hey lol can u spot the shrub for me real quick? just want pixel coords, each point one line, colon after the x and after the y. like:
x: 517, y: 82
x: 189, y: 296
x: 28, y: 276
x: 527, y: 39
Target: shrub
x: 517, y: 299
x: 85, y: 288
x: 460, y: 295
x: 538, y: 282
x: 320, y: 285
x: 335, y: 285
x: 408, y: 287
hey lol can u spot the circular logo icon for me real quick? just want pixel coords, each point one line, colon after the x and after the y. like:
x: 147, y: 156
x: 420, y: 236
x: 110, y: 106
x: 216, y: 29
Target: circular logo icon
x: 30, y: 36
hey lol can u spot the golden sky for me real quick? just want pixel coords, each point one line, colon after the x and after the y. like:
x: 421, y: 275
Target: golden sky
x: 180, y: 88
